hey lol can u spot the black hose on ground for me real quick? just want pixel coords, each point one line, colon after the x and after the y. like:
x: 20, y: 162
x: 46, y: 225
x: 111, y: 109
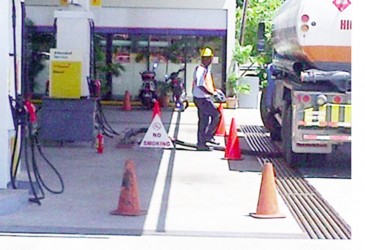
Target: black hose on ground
x: 31, y: 140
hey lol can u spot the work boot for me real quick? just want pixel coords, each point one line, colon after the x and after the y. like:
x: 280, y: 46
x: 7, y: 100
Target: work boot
x: 212, y: 141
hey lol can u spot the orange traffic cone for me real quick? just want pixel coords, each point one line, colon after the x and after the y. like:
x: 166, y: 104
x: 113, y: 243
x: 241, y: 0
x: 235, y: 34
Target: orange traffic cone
x: 129, y: 204
x: 156, y: 110
x: 233, y: 150
x: 221, y: 131
x: 267, y: 206
x: 127, y: 102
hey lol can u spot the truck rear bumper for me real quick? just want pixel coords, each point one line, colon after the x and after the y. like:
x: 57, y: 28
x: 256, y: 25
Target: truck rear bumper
x: 309, y: 142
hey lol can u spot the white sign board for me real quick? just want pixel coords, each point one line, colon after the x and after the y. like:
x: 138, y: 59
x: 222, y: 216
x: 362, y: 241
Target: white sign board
x: 156, y: 136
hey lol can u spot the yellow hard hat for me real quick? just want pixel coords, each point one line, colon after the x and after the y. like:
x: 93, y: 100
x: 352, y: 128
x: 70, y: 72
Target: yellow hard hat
x: 206, y: 52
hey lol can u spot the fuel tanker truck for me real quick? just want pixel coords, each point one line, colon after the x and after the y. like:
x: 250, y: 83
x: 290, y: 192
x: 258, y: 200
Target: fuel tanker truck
x: 307, y: 102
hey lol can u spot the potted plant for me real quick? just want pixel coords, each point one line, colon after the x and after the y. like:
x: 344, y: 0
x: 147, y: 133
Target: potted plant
x: 239, y: 83
x: 231, y: 90
x: 243, y: 88
x: 235, y: 89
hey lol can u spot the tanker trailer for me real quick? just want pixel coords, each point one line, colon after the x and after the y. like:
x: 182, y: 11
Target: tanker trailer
x: 307, y: 103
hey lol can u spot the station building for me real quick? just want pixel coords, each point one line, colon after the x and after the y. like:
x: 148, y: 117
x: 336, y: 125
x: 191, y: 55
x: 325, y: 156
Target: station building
x: 136, y: 33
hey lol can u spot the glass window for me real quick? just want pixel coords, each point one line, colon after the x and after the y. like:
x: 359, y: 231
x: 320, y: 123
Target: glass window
x: 136, y: 53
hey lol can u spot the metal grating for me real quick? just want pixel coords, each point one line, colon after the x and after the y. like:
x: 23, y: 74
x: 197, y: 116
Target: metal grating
x: 313, y: 213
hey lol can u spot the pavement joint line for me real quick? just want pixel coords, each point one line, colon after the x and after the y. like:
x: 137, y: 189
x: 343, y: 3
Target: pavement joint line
x: 154, y: 210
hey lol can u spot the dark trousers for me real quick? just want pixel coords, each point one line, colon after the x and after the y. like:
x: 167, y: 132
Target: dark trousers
x: 209, y: 118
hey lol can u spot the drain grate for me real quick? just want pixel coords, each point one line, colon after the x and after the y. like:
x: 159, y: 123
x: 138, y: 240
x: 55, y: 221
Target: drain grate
x: 313, y: 213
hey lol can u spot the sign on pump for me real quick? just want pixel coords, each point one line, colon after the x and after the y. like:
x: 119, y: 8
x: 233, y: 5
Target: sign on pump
x: 65, y: 73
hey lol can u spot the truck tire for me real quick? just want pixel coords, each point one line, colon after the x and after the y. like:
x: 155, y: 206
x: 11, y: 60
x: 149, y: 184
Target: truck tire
x: 268, y: 119
x: 316, y: 160
x: 292, y: 158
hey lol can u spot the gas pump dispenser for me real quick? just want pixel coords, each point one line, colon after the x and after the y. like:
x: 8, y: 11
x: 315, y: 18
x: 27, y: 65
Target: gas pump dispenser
x: 71, y: 102
x: 71, y: 68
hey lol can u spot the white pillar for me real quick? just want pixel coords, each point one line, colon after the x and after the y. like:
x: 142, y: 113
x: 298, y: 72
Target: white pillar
x: 6, y: 86
x: 231, y: 29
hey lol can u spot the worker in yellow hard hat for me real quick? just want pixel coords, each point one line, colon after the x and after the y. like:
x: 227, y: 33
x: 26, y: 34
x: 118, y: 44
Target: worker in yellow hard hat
x: 203, y: 90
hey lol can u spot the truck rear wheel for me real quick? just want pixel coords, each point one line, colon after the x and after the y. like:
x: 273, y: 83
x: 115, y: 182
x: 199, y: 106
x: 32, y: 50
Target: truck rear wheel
x: 268, y: 119
x: 292, y: 158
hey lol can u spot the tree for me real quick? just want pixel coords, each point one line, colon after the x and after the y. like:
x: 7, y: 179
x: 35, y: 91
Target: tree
x: 105, y: 68
x: 257, y: 11
x: 239, y: 3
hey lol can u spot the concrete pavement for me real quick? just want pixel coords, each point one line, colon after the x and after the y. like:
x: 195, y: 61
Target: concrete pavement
x: 190, y: 196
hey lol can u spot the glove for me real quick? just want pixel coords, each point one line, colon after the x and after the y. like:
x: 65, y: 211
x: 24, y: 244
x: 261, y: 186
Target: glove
x: 219, y: 96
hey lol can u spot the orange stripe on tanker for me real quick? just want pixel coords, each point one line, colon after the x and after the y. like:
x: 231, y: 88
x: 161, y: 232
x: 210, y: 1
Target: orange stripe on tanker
x: 328, y: 53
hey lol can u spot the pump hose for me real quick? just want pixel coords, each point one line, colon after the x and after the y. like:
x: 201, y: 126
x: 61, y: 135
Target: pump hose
x: 18, y: 119
x: 36, y: 199
x: 102, y: 127
x: 14, y: 167
x: 107, y: 125
x: 36, y: 141
x: 103, y: 123
x: 104, y: 120
x: 15, y: 158
x: 33, y: 142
